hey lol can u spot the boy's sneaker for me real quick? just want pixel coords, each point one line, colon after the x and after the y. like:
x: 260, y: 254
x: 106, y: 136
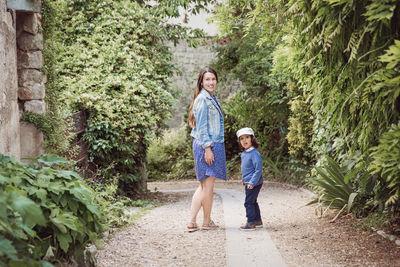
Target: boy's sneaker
x: 259, y: 224
x: 248, y: 227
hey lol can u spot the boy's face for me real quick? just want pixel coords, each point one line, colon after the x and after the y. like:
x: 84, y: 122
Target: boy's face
x: 245, y: 141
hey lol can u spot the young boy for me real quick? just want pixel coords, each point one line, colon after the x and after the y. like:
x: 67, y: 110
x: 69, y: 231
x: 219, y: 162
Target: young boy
x: 251, y: 177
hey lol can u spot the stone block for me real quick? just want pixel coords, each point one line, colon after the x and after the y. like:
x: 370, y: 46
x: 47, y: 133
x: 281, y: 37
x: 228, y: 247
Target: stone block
x: 30, y: 77
x: 33, y: 92
x: 27, y: 41
x: 35, y: 106
x: 30, y: 60
x: 25, y: 5
x: 32, y: 23
x: 31, y: 140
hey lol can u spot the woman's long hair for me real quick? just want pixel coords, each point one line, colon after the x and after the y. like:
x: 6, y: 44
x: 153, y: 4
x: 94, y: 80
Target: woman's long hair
x: 199, y: 86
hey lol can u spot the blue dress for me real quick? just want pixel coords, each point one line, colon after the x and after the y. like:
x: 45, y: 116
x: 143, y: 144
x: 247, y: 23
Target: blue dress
x: 203, y: 170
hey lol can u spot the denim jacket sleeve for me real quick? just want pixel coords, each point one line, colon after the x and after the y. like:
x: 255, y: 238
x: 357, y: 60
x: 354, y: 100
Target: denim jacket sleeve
x: 200, y: 111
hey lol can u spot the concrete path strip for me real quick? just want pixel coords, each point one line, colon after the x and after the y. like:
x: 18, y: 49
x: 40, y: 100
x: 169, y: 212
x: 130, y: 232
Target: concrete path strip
x: 245, y: 248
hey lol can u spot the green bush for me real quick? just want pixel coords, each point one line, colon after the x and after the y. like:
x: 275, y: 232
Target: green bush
x: 114, y: 65
x: 333, y: 187
x: 170, y: 156
x: 385, y: 162
x: 111, y: 59
x: 262, y: 103
x: 337, y: 64
x: 45, y: 213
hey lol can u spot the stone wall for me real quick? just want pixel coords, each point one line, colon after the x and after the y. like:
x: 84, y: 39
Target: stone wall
x: 190, y: 61
x: 31, y: 80
x: 9, y: 113
x: 22, y: 83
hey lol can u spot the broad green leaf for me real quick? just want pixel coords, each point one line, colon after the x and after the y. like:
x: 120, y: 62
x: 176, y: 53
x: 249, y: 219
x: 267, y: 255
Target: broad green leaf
x: 49, y: 160
x: 351, y: 200
x: 59, y: 224
x: 81, y: 193
x: 3, y: 205
x: 46, y: 264
x: 67, y: 219
x: 7, y: 249
x: 3, y: 179
x: 28, y: 209
x: 64, y: 241
x: 68, y: 175
x: 41, y: 194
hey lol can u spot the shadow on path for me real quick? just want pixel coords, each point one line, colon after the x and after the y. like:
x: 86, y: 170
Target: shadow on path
x: 251, y: 248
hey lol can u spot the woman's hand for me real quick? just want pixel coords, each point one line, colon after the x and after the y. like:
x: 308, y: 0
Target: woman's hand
x: 209, y: 156
x: 249, y: 186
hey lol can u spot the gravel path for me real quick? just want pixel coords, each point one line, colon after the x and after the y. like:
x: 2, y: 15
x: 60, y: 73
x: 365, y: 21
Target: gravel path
x: 159, y: 238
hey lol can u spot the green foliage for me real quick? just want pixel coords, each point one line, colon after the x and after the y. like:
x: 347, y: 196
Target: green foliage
x: 45, y: 213
x: 336, y: 63
x: 339, y: 43
x: 114, y: 206
x: 262, y: 103
x: 380, y: 220
x: 385, y: 162
x: 351, y: 82
x: 334, y: 187
x: 53, y: 128
x: 300, y: 128
x: 170, y: 156
x: 113, y: 62
x: 114, y: 66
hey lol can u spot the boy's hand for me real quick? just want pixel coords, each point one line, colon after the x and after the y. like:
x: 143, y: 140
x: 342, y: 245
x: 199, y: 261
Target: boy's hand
x: 249, y: 186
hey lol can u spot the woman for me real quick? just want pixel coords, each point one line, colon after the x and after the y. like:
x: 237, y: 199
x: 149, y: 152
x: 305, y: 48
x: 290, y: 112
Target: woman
x: 206, y: 120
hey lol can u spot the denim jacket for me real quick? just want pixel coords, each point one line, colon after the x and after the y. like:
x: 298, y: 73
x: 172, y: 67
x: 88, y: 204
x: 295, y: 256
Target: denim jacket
x: 209, y: 120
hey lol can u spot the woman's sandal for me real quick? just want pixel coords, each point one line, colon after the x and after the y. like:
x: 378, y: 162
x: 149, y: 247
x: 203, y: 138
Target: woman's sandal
x: 209, y: 226
x: 192, y: 226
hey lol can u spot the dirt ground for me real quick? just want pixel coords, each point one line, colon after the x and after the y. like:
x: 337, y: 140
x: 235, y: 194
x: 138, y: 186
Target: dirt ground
x: 159, y: 238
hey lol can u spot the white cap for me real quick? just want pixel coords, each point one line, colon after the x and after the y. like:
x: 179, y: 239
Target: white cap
x: 243, y: 131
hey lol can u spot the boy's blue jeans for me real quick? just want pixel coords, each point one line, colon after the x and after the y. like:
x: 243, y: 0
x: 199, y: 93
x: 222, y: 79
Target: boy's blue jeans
x: 252, y: 209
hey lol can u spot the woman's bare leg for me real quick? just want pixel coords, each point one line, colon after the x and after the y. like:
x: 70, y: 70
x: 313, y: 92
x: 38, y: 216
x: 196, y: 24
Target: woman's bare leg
x: 196, y: 203
x: 207, y: 198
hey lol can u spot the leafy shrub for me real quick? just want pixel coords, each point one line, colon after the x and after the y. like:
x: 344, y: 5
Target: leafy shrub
x: 112, y: 61
x: 244, y: 109
x: 385, y: 162
x: 262, y: 103
x: 114, y: 66
x: 170, y: 156
x: 113, y: 204
x: 340, y: 61
x: 334, y: 186
x: 45, y: 213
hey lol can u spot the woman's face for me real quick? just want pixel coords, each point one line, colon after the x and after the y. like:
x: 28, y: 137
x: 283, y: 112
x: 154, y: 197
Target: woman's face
x: 245, y: 141
x: 209, y: 82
